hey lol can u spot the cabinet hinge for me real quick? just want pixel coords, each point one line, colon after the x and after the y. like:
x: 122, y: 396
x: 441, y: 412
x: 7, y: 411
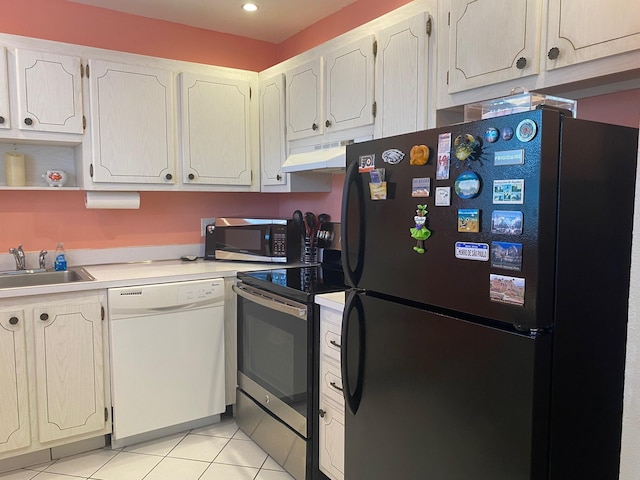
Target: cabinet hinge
x: 447, y: 77
x: 91, y: 170
x: 429, y: 26
x: 102, y: 312
x: 448, y: 19
x: 250, y: 93
x: 86, y: 70
x: 81, y: 71
x: 106, y: 414
x: 375, y: 48
x: 84, y: 122
x: 374, y: 109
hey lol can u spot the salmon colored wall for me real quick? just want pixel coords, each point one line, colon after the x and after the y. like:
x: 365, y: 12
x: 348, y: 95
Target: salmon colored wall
x: 621, y: 108
x: 71, y: 22
x: 350, y: 17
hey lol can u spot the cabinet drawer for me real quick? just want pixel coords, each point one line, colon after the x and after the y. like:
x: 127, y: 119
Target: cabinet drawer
x: 331, y: 383
x: 330, y: 335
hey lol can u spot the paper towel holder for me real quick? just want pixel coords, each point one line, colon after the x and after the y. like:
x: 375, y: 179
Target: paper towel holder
x: 112, y: 200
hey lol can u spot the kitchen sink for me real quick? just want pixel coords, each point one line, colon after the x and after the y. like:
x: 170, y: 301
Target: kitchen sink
x: 34, y: 278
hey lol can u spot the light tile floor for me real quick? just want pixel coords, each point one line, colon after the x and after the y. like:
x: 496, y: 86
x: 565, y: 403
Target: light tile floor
x: 216, y: 452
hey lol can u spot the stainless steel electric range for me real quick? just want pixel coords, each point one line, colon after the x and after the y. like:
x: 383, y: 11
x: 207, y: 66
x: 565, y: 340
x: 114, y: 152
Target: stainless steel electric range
x: 278, y: 338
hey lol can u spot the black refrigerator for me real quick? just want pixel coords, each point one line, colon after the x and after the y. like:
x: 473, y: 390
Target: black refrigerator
x: 484, y: 333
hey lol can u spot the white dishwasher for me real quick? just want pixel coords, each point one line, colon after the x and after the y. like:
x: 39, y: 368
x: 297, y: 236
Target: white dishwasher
x: 167, y: 358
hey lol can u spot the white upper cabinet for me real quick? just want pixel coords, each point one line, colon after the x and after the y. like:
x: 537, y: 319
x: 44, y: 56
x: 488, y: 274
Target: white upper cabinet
x: 492, y: 42
x: 49, y: 92
x: 216, y: 130
x: 132, y: 123
x: 580, y: 31
x: 331, y: 93
x: 5, y: 117
x: 273, y: 147
x: 349, y: 85
x: 401, y: 77
x: 305, y: 100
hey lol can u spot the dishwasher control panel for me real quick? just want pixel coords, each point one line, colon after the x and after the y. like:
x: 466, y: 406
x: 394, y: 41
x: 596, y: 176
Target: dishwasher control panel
x: 200, y: 291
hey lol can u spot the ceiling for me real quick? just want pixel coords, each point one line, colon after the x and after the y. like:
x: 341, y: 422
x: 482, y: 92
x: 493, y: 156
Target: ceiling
x: 275, y: 20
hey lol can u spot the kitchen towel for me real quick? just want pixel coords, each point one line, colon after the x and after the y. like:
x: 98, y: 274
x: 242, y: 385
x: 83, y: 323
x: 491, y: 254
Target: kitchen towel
x: 112, y: 200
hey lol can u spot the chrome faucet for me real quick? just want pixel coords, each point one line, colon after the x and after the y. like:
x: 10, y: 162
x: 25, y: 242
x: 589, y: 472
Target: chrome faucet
x: 41, y: 259
x: 18, y: 254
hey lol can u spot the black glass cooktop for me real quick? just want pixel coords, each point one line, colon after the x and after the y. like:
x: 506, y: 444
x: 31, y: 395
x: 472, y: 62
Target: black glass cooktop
x: 299, y: 283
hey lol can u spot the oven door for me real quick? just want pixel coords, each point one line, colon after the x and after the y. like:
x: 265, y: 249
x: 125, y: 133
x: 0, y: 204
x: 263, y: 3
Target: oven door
x: 273, y: 354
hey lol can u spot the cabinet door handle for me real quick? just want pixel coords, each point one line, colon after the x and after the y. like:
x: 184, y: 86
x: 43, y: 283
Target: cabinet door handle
x: 335, y: 344
x: 191, y: 176
x: 327, y: 123
x: 322, y: 413
x: 521, y: 63
x: 28, y: 121
x: 553, y: 53
x: 44, y: 317
x: 168, y: 176
x: 314, y: 127
x: 335, y: 385
x: 278, y: 177
x: 1, y: 120
x: 13, y: 320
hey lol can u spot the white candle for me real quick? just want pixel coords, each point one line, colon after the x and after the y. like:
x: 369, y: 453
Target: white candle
x: 14, y: 164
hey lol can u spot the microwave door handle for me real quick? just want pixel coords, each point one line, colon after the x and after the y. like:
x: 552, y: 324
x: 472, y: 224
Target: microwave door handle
x: 292, y: 310
x: 270, y: 243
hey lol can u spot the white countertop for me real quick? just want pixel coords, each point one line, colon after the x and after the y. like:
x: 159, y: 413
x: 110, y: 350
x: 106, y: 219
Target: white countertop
x: 142, y: 273
x: 332, y: 300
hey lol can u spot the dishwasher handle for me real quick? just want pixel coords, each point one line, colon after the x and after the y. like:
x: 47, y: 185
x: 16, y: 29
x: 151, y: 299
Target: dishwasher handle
x: 275, y: 303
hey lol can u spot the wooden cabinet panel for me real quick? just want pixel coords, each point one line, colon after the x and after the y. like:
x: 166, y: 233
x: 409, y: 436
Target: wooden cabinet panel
x: 273, y: 147
x: 305, y: 100
x: 490, y: 43
x: 216, y: 133
x: 331, y: 442
x: 49, y: 92
x: 133, y: 126
x: 14, y: 401
x: 69, y: 370
x: 5, y: 117
x: 587, y: 30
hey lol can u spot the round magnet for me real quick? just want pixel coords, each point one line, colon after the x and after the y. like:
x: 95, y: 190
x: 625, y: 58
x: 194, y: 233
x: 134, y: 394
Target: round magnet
x: 507, y: 133
x: 526, y: 130
x: 491, y: 135
x: 467, y: 185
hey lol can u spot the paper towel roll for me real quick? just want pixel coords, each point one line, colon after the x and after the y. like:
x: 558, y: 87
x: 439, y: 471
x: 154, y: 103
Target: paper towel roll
x: 15, y: 170
x: 115, y: 200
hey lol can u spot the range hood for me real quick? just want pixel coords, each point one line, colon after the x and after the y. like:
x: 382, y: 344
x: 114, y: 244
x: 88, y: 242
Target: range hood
x: 323, y: 160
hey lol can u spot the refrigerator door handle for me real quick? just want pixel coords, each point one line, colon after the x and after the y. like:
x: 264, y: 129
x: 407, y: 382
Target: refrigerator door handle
x: 352, y: 199
x: 352, y: 396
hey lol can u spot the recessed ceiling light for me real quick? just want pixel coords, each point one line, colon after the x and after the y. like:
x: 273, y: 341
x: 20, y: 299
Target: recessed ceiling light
x: 249, y: 7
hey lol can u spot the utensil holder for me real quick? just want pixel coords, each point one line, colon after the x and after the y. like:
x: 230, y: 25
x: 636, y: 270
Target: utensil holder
x: 309, y: 252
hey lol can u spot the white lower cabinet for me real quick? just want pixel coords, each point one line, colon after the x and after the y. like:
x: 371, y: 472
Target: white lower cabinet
x: 52, y: 372
x: 332, y: 413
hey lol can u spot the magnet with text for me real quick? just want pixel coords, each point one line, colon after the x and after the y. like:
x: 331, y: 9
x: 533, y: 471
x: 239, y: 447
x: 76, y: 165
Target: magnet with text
x: 392, y: 156
x: 419, y: 155
x: 506, y: 289
x: 469, y: 220
x: 472, y: 251
x: 507, y: 256
x: 442, y: 168
x: 421, y: 187
x: 367, y: 163
x: 506, y: 222
x: 420, y: 232
x: 508, y: 157
x: 467, y: 185
x: 443, y: 197
x: 508, y: 192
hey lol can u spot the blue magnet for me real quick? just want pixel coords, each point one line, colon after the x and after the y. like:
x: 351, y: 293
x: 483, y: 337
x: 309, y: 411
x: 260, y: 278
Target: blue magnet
x: 491, y: 135
x: 507, y: 133
x: 467, y: 185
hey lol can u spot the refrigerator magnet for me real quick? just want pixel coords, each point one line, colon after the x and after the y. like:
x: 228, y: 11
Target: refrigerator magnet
x: 443, y: 197
x: 507, y: 133
x: 472, y: 251
x: 420, y: 187
x: 507, y: 256
x: 442, y: 169
x: 444, y: 143
x: 469, y: 220
x: 509, y: 157
x: 505, y: 289
x: 506, y: 222
x: 508, y: 192
x: 526, y: 130
x: 491, y: 135
x: 392, y: 156
x: 378, y: 191
x: 467, y: 149
x: 467, y: 185
x: 420, y: 232
x: 419, y: 155
x: 367, y: 163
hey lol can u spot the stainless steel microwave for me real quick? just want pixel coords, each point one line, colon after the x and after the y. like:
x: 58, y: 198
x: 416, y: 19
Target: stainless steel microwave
x: 253, y: 240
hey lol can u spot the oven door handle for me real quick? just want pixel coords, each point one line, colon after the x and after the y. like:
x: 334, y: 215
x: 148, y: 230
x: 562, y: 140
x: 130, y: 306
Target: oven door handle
x: 272, y: 303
